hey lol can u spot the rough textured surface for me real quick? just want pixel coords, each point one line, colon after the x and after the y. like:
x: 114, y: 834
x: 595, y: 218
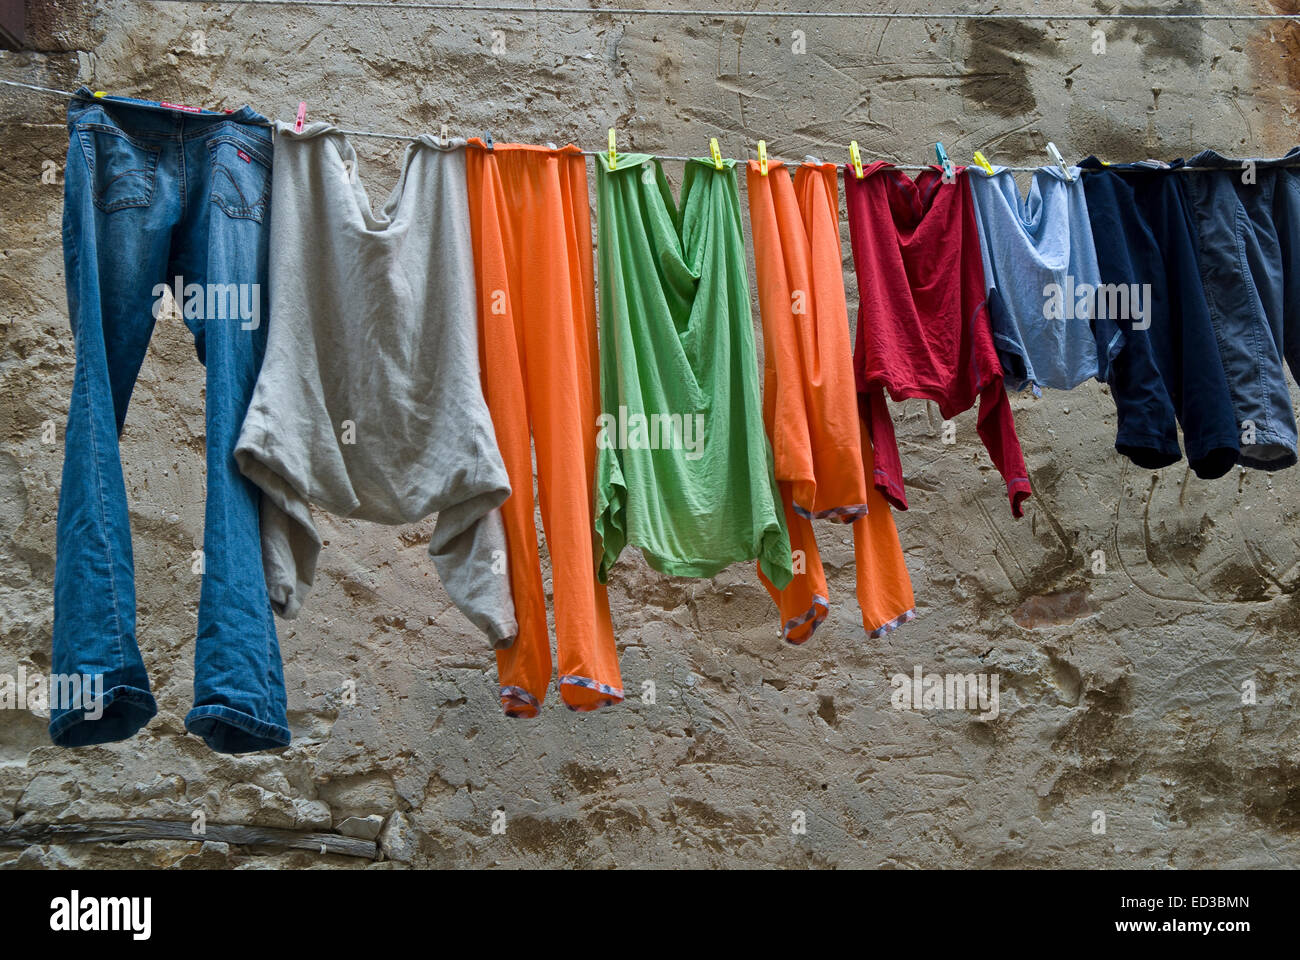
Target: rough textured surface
x: 1120, y: 692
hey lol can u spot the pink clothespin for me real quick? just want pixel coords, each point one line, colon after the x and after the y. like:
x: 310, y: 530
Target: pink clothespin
x: 302, y: 116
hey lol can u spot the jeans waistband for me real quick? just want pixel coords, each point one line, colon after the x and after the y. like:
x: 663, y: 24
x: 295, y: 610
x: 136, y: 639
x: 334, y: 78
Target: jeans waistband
x: 1093, y: 164
x: 155, y: 118
x: 1212, y: 158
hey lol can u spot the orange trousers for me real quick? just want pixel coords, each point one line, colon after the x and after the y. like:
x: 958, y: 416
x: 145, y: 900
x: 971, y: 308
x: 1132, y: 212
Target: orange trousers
x: 820, y: 446
x: 531, y: 225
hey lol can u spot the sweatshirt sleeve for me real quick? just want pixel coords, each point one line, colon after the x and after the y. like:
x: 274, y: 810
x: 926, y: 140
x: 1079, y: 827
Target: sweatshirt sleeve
x: 887, y: 474
x: 997, y: 428
x: 290, y: 543
x: 468, y: 547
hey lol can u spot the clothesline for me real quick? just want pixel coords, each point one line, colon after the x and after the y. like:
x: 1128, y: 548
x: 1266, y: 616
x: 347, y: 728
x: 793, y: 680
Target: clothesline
x: 600, y: 153
x: 723, y: 12
x: 693, y: 458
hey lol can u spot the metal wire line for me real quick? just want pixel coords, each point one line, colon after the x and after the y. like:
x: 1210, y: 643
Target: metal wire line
x: 68, y: 94
x: 741, y: 13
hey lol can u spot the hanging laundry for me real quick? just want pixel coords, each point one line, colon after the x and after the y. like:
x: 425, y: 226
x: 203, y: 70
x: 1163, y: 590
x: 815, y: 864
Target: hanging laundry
x: 1040, y: 274
x: 820, y: 448
x: 156, y: 197
x: 531, y: 222
x: 1153, y: 322
x: 923, y: 323
x: 369, y: 404
x: 684, y: 468
x: 1247, y: 221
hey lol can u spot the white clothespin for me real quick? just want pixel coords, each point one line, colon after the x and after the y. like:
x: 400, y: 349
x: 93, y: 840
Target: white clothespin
x: 1060, y: 161
x: 443, y: 137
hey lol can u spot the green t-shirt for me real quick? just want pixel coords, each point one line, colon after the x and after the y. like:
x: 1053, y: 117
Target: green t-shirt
x: 683, y: 468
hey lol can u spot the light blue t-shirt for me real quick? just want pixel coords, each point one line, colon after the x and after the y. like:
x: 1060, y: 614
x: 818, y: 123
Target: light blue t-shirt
x: 1041, y: 274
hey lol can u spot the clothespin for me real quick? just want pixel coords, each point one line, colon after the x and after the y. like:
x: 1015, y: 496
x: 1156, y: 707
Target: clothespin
x: 442, y: 138
x: 100, y: 93
x: 982, y: 162
x: 301, y: 118
x: 715, y: 152
x: 487, y: 138
x: 949, y: 171
x: 613, y: 151
x: 1060, y: 161
x: 762, y: 157
x: 855, y: 155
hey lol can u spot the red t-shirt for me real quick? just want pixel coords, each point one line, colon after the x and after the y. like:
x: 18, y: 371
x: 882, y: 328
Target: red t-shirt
x: 923, y: 323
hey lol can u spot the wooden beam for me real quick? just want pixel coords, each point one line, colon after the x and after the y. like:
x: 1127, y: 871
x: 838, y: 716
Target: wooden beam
x: 120, y: 831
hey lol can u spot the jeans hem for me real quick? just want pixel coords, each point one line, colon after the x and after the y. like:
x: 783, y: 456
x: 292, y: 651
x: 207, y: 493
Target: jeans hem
x: 1285, y: 448
x: 129, y: 700
x: 227, y: 730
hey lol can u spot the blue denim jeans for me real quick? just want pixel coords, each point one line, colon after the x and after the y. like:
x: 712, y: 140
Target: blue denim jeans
x: 153, y: 193
x: 1250, y: 262
x: 1168, y: 369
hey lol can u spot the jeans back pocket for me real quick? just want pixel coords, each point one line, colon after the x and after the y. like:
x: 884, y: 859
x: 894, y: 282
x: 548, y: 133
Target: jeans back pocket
x: 122, y: 168
x: 241, y: 177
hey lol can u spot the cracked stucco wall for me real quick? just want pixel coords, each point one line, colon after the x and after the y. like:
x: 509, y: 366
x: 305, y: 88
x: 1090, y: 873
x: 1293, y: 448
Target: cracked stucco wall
x: 1120, y: 692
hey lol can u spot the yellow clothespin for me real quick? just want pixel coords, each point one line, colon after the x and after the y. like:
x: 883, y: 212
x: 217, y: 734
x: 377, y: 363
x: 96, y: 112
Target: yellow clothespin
x: 762, y: 157
x: 716, y: 152
x: 100, y: 93
x: 983, y: 163
x: 613, y: 153
x: 856, y: 156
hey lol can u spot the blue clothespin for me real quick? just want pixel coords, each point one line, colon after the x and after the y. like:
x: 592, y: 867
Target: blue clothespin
x: 487, y: 138
x: 949, y: 172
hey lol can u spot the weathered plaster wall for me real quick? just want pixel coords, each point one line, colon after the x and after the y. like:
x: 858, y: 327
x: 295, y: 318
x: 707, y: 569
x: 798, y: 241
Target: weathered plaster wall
x: 1120, y: 692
